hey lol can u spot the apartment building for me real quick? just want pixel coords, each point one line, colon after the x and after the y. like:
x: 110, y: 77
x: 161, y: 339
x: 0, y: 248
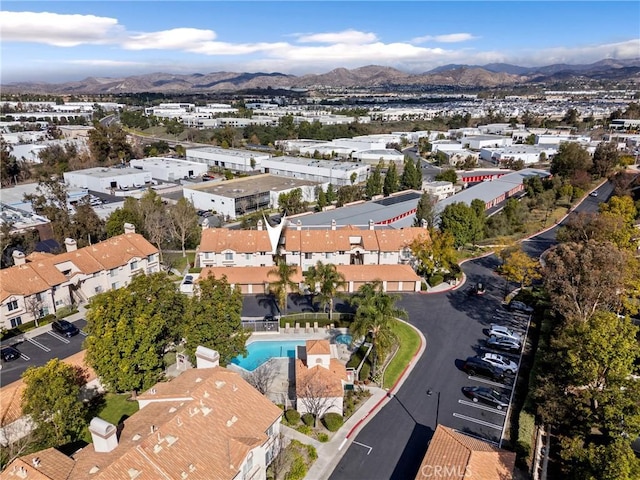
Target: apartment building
x: 207, y: 423
x: 41, y: 283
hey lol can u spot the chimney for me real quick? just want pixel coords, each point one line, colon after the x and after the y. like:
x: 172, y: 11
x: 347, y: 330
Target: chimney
x: 71, y: 244
x: 206, y: 357
x: 424, y: 223
x: 35, y: 462
x: 259, y: 224
x: 103, y: 435
x: 299, y: 225
x: 333, y: 224
x: 129, y: 228
x: 18, y: 258
x: 371, y: 225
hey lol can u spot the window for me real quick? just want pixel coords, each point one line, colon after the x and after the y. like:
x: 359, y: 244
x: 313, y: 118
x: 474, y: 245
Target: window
x: 16, y: 322
x: 113, y: 272
x: 151, y: 258
x: 307, y: 256
x: 115, y: 285
x: 134, y: 265
x: 44, y: 311
x: 248, y: 256
x: 39, y: 297
x: 208, y: 255
x: 328, y: 255
x: 248, y: 464
x: 12, y: 305
x: 342, y: 252
x: 228, y: 256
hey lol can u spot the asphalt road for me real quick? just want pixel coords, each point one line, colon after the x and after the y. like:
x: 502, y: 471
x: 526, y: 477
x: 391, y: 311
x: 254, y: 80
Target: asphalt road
x: 39, y: 350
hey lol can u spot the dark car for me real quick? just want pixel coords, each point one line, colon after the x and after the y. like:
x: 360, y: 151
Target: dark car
x: 517, y: 306
x: 269, y: 318
x: 486, y: 395
x: 504, y: 344
x: 479, y: 288
x: 64, y: 328
x: 9, y: 353
x: 476, y: 366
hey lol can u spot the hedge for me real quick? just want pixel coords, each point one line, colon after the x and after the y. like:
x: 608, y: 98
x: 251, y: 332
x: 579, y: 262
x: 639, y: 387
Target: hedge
x: 292, y: 416
x: 435, y: 280
x: 332, y: 421
x: 365, y: 372
x: 308, y: 419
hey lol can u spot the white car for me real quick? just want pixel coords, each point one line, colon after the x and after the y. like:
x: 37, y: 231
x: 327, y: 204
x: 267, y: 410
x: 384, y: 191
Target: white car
x: 501, y: 362
x: 500, y: 331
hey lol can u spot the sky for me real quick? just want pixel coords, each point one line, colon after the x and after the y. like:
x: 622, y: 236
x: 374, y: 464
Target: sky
x: 58, y: 41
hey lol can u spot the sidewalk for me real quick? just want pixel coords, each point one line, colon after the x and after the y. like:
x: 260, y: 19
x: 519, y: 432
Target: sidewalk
x: 82, y: 312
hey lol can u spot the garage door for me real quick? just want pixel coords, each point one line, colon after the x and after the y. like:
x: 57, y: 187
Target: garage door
x: 258, y: 288
x: 244, y: 289
x: 409, y: 287
x: 393, y: 286
x: 357, y: 285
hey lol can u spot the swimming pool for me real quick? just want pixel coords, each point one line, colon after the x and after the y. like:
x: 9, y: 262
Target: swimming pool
x: 345, y: 339
x: 261, y: 351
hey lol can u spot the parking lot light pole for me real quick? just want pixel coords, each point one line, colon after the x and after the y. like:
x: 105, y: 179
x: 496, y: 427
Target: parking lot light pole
x: 430, y: 393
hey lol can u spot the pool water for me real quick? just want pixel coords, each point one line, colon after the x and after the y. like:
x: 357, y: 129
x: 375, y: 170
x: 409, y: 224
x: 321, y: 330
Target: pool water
x: 261, y: 351
x: 345, y: 339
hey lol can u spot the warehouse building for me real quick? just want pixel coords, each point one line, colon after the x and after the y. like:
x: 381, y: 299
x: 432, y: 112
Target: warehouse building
x: 108, y: 180
x: 323, y: 171
x: 169, y: 169
x: 235, y: 160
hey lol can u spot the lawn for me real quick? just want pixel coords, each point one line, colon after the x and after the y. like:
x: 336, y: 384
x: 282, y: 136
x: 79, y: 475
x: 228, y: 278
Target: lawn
x: 114, y: 409
x: 177, y: 261
x: 409, y: 342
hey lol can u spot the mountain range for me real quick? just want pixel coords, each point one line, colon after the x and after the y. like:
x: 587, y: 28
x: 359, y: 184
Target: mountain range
x: 469, y: 76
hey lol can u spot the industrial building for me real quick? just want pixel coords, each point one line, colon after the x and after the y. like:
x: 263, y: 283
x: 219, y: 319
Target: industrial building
x: 108, y: 180
x: 237, y: 197
x: 169, y: 169
x: 324, y: 171
x: 236, y: 160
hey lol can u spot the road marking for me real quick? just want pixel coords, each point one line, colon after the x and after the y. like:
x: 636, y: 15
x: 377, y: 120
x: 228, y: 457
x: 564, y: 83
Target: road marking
x: 489, y: 382
x: 483, y: 407
x: 24, y: 357
x: 38, y: 344
x: 366, y: 446
x: 58, y: 337
x: 480, y: 422
x: 82, y: 332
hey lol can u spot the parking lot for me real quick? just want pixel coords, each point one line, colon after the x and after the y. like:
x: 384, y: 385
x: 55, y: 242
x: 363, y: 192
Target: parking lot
x: 38, y: 350
x: 477, y: 418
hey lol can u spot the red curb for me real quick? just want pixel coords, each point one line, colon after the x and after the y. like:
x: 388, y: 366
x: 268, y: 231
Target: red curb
x: 359, y: 422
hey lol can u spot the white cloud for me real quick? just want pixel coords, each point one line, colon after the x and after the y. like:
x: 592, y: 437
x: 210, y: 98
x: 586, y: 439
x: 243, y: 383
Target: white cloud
x: 174, y: 39
x: 57, y: 29
x: 448, y: 38
x: 105, y: 63
x: 581, y: 54
x: 347, y: 36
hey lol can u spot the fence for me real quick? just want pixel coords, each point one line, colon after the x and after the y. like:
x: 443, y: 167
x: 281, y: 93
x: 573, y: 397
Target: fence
x: 320, y: 317
x: 257, y: 326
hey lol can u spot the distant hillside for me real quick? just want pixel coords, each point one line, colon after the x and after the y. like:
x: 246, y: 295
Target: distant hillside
x: 491, y: 75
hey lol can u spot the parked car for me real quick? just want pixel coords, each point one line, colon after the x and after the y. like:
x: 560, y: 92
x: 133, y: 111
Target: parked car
x: 518, y: 306
x: 479, y: 288
x: 188, y: 280
x: 505, y: 364
x: 269, y: 318
x: 64, y: 328
x: 594, y: 193
x: 499, y: 331
x: 486, y: 395
x: 9, y: 353
x: 504, y: 344
x: 476, y: 366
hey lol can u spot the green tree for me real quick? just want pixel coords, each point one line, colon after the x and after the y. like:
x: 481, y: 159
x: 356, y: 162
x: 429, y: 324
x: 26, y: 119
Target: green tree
x: 291, y: 203
x: 426, y: 210
x: 214, y: 320
x: 129, y: 329
x: 325, y: 281
x: 109, y: 144
x: 411, y: 178
x: 51, y: 398
x: 374, y: 182
x: 448, y: 175
x: 391, y: 180
x: 283, y: 283
x: 519, y: 267
x: 87, y: 227
x: 463, y: 223
x: 376, y: 314
x: 605, y: 158
x: 348, y: 194
x: 50, y: 200
x: 571, y: 158
x: 116, y: 220
x: 322, y: 199
x: 331, y: 194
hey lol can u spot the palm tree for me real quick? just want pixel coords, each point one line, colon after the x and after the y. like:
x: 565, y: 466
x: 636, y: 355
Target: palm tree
x: 283, y: 283
x: 325, y: 281
x: 376, y: 312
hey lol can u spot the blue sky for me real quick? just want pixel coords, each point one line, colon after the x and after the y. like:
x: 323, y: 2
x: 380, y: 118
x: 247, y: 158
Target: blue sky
x: 59, y: 41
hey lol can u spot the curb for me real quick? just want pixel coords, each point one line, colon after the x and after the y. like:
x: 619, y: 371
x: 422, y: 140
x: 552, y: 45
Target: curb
x: 400, y: 379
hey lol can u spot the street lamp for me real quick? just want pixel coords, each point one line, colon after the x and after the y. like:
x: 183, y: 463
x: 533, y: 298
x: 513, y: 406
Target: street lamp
x: 430, y: 393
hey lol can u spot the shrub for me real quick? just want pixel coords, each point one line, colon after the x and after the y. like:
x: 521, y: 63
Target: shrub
x: 308, y: 419
x: 332, y: 421
x: 304, y: 429
x: 365, y: 371
x: 526, y: 433
x: 322, y: 437
x: 298, y: 469
x: 195, y: 270
x: 311, y: 452
x: 436, y: 279
x: 292, y: 416
x: 65, y: 311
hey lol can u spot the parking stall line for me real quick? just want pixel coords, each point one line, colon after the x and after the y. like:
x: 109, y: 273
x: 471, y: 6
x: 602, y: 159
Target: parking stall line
x: 25, y: 357
x: 483, y: 407
x: 479, y: 422
x: 38, y: 344
x: 58, y: 337
x: 83, y: 333
x: 489, y: 382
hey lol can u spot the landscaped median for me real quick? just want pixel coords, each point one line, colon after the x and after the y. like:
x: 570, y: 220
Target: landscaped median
x: 408, y: 345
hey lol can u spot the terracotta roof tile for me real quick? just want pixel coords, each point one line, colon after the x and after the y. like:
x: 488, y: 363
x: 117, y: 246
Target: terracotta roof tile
x: 246, y: 275
x: 464, y: 458
x: 368, y: 273
x: 327, y: 380
x: 241, y: 241
x: 318, y: 347
x: 395, y: 240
